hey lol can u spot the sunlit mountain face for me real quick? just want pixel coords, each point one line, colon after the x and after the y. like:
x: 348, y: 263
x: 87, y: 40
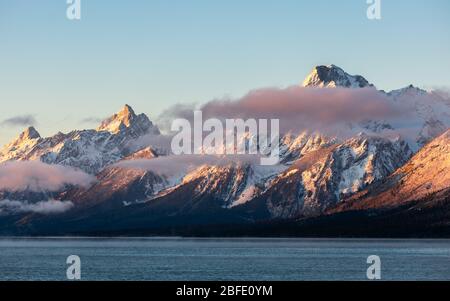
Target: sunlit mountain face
x: 345, y: 146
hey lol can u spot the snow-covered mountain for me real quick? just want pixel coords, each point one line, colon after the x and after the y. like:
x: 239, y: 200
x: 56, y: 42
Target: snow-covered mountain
x: 318, y: 172
x: 427, y: 114
x: 322, y: 178
x: 118, y: 187
x: 427, y: 172
x: 324, y: 175
x: 231, y: 184
x: 293, y: 147
x: 89, y: 150
x: 430, y: 112
x: 332, y: 76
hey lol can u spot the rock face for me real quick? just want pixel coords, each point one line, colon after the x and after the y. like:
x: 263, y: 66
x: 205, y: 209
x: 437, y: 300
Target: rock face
x: 127, y: 122
x: 18, y: 148
x: 324, y: 177
x: 427, y: 172
x: 118, y: 187
x: 231, y: 185
x: 293, y: 147
x: 332, y: 76
x: 89, y: 150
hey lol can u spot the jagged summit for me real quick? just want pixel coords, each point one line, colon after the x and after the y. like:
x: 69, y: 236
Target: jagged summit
x: 115, y: 123
x: 20, y: 145
x: 89, y: 150
x: 332, y: 76
x: 127, y: 110
x: 29, y: 133
x: 127, y: 119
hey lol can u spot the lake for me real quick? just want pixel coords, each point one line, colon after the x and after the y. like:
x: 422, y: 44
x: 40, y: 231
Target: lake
x: 223, y: 259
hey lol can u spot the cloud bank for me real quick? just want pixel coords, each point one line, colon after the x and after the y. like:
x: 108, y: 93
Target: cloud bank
x: 37, y: 176
x: 299, y: 108
x: 43, y: 207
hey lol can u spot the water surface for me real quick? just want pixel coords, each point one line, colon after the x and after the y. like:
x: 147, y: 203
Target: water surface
x: 222, y: 259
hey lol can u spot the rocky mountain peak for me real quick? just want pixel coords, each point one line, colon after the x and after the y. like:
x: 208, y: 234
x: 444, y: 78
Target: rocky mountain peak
x: 126, y: 119
x: 123, y: 119
x: 29, y: 134
x: 332, y: 76
x: 127, y: 112
x: 26, y: 141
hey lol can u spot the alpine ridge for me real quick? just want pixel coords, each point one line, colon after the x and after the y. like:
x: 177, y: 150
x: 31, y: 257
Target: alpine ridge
x: 377, y: 170
x: 89, y: 150
x: 426, y: 173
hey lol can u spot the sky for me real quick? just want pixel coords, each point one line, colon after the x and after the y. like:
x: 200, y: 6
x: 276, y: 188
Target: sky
x: 61, y: 75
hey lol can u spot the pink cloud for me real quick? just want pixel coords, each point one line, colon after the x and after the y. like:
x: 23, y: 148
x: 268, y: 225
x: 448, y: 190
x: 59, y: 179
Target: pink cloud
x: 300, y: 108
x: 37, y: 176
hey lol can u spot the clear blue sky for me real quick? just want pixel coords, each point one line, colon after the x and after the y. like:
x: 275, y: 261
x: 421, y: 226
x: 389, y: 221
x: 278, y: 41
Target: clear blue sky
x: 156, y: 53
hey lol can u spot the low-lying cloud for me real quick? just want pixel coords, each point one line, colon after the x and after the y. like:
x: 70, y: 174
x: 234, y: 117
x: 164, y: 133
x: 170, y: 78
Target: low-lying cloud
x: 300, y: 108
x: 42, y: 207
x: 37, y: 176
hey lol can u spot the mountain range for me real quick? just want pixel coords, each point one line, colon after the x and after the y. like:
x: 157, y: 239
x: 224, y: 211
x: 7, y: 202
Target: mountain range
x: 129, y: 183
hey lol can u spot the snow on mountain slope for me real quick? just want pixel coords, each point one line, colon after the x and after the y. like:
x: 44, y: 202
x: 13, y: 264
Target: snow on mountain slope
x: 229, y: 183
x: 293, y: 147
x: 127, y: 121
x: 145, y: 153
x: 425, y: 173
x: 118, y: 185
x: 431, y: 112
x: 427, y: 114
x: 316, y: 171
x: 89, y: 150
x: 21, y: 145
x: 332, y: 76
x: 324, y: 177
x: 224, y: 183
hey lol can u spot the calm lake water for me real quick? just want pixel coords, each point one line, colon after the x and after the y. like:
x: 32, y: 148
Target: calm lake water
x: 223, y: 259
